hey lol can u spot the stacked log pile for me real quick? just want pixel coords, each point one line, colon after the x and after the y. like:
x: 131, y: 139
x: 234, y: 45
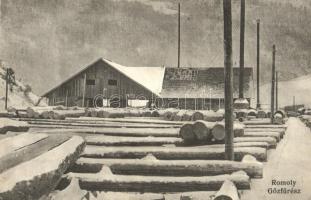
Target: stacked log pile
x: 160, y: 159
x: 203, y: 132
x: 7, y: 124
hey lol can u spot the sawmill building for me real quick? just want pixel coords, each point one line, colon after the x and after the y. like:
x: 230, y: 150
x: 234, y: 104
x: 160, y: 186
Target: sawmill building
x: 106, y: 83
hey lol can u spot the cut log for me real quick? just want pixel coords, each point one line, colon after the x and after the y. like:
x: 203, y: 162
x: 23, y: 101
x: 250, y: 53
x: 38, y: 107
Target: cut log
x: 261, y: 114
x: 108, y: 125
x: 197, y: 115
x: 62, y: 114
x: 278, y: 119
x: 12, y: 125
x: 212, y: 116
x: 187, y: 134
x: 203, y: 130
x: 13, y: 143
x: 131, y: 141
x: 155, y: 113
x: 172, y: 153
x: 187, y: 116
x: 169, y: 114
x: 30, y: 151
x: 135, y: 132
x: 124, y: 196
x: 228, y: 191
x: 39, y: 176
x: 218, y: 130
x: 178, y: 116
x: 281, y: 112
x: 146, y: 113
x: 264, y: 145
x: 122, y: 120
x: 275, y: 135
x: 270, y: 140
x: 280, y: 131
x: 269, y: 126
x: 168, y: 167
x: 156, y: 183
x: 37, y: 111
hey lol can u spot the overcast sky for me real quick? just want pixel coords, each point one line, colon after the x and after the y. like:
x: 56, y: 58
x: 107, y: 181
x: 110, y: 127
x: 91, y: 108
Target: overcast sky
x: 46, y: 41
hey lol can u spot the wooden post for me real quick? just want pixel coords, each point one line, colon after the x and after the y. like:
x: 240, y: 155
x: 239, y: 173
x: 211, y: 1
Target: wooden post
x: 6, y: 88
x: 276, y: 92
x: 178, y: 59
x: 66, y: 98
x: 258, y: 63
x: 84, y: 88
x: 210, y: 99
x: 294, y: 103
x: 272, y: 84
x: 242, y: 33
x: 185, y: 102
x: 218, y: 103
x: 229, y: 151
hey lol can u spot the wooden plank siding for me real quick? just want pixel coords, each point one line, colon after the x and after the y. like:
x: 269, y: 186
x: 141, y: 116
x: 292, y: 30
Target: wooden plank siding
x: 101, y: 74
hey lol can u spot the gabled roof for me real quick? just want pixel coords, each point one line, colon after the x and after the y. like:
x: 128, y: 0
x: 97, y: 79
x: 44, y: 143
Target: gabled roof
x: 149, y: 77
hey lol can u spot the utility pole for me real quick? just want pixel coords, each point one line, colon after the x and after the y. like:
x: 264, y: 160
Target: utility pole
x: 294, y: 103
x: 178, y: 59
x: 276, y: 91
x: 6, y: 88
x: 272, y: 84
x: 84, y: 88
x: 229, y: 151
x: 258, y: 64
x: 242, y: 36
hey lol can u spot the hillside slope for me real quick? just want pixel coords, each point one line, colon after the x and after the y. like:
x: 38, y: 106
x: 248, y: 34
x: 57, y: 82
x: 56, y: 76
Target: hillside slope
x: 18, y: 97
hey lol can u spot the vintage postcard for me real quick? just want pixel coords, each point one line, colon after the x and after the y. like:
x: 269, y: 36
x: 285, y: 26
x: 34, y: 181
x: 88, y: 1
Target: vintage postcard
x: 155, y: 99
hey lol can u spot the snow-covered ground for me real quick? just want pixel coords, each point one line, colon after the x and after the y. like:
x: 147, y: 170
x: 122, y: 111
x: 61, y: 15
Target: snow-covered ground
x: 291, y: 161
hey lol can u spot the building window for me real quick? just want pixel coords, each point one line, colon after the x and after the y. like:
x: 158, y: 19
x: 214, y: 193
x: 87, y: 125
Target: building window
x: 90, y: 82
x: 112, y: 82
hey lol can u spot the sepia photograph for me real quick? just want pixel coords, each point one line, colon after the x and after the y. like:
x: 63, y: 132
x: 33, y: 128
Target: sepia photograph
x: 155, y: 99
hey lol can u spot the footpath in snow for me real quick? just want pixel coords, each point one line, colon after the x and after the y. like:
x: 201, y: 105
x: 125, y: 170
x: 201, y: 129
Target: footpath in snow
x: 288, y: 170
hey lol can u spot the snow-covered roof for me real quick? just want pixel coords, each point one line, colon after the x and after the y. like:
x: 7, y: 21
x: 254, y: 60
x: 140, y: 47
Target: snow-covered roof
x: 149, y: 77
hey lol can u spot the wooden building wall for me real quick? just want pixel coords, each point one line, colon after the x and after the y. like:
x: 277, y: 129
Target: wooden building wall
x: 98, y: 79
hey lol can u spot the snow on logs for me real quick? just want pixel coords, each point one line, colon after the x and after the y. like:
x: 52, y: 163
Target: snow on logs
x: 105, y: 180
x: 54, y: 112
x: 276, y: 135
x: 172, y: 114
x: 228, y: 191
x: 203, y: 132
x: 12, y: 125
x: 39, y: 176
x: 25, y: 147
x: 218, y: 130
x: 173, y: 153
x: 157, y: 167
x: 104, y: 140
